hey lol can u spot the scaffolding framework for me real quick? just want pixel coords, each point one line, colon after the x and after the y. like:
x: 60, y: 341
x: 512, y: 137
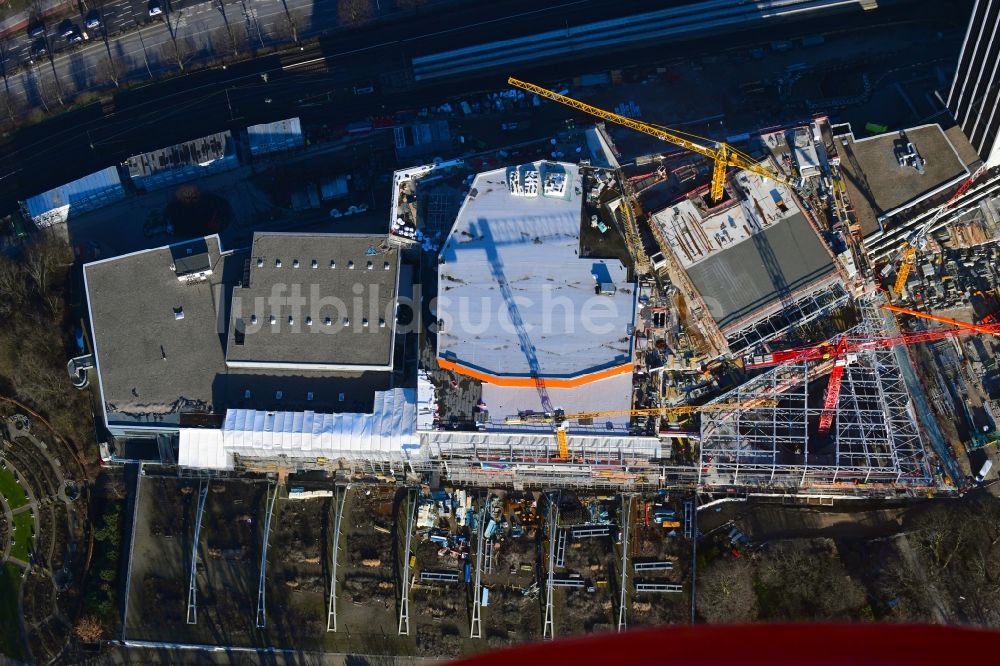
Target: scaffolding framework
x: 192, y: 607
x: 875, y: 439
x: 663, y: 565
x: 476, y: 628
x: 561, y: 539
x: 404, y: 597
x: 548, y: 628
x: 804, y: 308
x: 658, y: 587
x: 341, y: 500
x: 626, y: 523
x: 272, y: 495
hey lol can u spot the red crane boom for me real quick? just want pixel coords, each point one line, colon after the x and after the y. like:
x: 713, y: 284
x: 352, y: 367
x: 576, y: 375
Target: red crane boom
x: 845, y: 345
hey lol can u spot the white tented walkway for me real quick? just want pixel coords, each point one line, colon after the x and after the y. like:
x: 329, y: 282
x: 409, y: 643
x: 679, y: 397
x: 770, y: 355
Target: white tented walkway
x: 202, y: 448
x: 386, y: 434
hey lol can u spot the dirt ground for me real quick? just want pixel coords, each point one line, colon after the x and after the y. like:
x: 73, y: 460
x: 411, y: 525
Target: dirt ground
x: 157, y: 595
x: 367, y: 597
x: 229, y: 561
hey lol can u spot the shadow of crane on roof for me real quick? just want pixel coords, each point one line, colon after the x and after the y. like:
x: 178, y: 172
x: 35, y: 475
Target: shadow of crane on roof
x: 481, y: 228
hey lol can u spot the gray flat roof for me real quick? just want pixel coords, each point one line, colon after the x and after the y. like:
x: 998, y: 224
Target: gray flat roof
x: 150, y: 362
x: 877, y: 184
x: 335, y: 308
x: 154, y: 366
x: 737, y: 282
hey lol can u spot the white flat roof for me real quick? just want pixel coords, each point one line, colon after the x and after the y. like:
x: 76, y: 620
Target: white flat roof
x: 513, y: 293
x: 387, y: 433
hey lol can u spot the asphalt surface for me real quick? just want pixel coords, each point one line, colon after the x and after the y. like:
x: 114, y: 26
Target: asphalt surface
x: 131, y: 45
x: 318, y: 82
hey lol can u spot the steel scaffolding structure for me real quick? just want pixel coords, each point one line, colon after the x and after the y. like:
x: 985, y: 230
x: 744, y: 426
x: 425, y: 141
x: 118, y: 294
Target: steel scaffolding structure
x: 404, y: 597
x: 272, y: 495
x: 875, y: 439
x: 476, y: 628
x: 548, y: 628
x: 192, y: 610
x: 807, y: 307
x: 626, y: 523
x: 341, y: 500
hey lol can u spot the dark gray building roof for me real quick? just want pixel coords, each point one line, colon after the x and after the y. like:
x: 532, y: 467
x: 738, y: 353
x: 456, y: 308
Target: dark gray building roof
x: 160, y: 342
x: 877, y: 185
x: 749, y: 277
x: 316, y: 300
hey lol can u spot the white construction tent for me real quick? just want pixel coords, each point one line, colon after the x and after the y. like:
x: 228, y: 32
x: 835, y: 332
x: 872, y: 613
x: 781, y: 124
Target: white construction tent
x: 202, y: 448
x: 88, y: 193
x: 275, y: 137
x: 389, y: 433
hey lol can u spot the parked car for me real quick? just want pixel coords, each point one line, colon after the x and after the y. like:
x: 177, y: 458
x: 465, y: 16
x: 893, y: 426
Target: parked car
x: 39, y: 48
x: 66, y: 28
x: 154, y: 8
x: 36, y: 30
x: 76, y: 36
x: 93, y: 19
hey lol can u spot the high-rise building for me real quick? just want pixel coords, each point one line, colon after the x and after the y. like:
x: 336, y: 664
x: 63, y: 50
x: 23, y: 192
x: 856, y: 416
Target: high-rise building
x: 975, y: 92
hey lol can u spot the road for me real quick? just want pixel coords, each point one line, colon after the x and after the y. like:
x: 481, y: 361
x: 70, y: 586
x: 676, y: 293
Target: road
x: 132, y: 46
x: 317, y: 83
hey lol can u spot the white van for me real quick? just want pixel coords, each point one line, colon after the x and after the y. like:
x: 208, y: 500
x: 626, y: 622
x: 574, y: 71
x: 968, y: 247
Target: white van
x: 984, y: 470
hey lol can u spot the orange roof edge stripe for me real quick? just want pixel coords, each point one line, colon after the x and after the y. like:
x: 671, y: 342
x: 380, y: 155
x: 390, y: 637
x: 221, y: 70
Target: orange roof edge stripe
x: 529, y: 382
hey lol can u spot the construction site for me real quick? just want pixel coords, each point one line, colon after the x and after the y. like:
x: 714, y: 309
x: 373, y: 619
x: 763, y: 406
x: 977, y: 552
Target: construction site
x: 371, y: 567
x: 594, y: 352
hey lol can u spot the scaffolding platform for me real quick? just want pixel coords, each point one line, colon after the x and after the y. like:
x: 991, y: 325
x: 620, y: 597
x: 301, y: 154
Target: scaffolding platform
x: 566, y: 581
x: 658, y: 587
x: 439, y: 576
x: 665, y: 565
x: 561, y: 548
x: 590, y: 531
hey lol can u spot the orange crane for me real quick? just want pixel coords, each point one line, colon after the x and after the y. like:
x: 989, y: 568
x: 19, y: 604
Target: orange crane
x: 722, y: 154
x: 845, y: 346
x: 561, y: 420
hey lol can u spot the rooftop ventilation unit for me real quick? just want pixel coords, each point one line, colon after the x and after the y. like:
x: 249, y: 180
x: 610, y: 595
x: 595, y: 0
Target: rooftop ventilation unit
x: 178, y: 313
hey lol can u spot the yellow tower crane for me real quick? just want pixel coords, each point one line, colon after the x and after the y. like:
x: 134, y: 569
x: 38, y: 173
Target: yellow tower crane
x: 909, y: 258
x: 561, y: 420
x: 723, y: 155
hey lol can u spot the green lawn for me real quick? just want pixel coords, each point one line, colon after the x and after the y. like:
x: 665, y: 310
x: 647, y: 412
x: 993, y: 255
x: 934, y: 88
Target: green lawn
x: 10, y: 633
x: 25, y: 523
x: 11, y: 489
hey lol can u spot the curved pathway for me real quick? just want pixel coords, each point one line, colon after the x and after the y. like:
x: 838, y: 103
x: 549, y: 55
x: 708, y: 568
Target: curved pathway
x: 35, y: 505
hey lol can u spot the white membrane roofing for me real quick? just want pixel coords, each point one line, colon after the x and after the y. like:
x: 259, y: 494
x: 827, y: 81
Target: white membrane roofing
x: 513, y: 293
x: 387, y: 433
x: 202, y: 448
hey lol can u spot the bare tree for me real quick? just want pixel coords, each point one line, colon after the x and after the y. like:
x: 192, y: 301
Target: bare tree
x: 805, y: 580
x: 88, y: 629
x: 354, y: 12
x: 726, y: 593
